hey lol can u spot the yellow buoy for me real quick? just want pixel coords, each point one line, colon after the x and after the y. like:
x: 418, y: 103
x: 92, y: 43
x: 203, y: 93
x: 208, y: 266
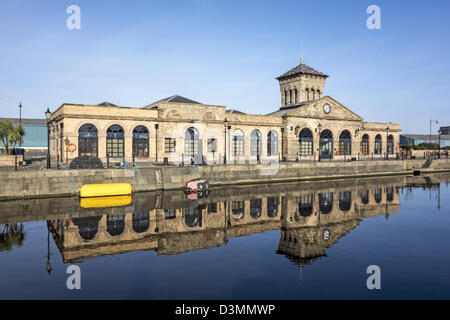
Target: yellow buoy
x: 105, y: 202
x: 105, y: 190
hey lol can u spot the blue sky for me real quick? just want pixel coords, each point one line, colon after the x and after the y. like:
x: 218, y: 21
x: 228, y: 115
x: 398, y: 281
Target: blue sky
x: 227, y: 52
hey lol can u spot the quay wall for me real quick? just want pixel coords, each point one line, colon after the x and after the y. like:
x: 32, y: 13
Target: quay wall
x: 55, y: 183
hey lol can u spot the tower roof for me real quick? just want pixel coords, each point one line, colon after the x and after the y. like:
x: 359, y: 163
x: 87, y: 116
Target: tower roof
x: 301, y: 69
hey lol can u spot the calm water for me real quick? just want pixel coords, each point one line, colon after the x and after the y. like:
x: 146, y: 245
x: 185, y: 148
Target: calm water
x: 283, y: 241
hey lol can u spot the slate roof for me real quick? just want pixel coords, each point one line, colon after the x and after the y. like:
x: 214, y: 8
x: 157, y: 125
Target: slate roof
x: 107, y: 104
x: 175, y: 98
x: 301, y: 69
x: 235, y: 111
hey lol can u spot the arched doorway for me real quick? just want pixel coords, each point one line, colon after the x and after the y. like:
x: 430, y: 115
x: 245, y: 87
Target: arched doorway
x: 305, y: 143
x: 192, y: 145
x: 326, y: 145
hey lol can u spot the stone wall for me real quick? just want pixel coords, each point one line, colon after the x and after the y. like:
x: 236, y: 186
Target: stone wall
x: 9, y: 161
x: 51, y: 183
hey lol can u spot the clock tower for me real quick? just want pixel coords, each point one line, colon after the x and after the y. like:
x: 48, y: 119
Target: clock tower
x: 301, y: 84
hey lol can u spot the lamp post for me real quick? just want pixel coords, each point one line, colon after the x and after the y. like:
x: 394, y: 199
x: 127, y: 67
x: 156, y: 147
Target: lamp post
x: 48, y: 114
x: 319, y: 129
x: 20, y: 113
x: 387, y: 142
x: 225, y: 151
x: 439, y: 133
x: 431, y: 121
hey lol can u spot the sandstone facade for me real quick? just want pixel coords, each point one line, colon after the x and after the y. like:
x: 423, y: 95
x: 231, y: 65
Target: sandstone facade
x: 308, y: 126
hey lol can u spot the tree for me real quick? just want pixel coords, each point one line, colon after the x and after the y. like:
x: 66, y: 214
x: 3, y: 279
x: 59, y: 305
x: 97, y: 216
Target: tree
x: 10, y: 135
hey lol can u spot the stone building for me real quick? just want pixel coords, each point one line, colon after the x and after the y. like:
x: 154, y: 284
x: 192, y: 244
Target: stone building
x: 307, y: 126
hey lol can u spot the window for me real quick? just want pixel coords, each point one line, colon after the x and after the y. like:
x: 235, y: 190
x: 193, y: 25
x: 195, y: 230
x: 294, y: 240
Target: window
x: 307, y: 94
x: 345, y: 200
x: 326, y: 202
x: 140, y: 142
x: 306, y: 142
x: 345, y: 143
x: 286, y: 98
x: 212, y: 145
x: 255, y: 208
x: 305, y: 204
x: 364, y: 195
x: 170, y: 145
x: 377, y: 149
x: 326, y: 144
x: 377, y: 195
x: 88, y: 141
x: 255, y: 143
x: 390, y: 145
x: 272, y: 206
x: 238, y: 143
x: 272, y: 143
x: 237, y: 209
x: 290, y: 96
x: 192, y: 143
x: 365, y: 145
x: 115, y: 146
x: 140, y: 221
x: 296, y: 96
x: 115, y: 224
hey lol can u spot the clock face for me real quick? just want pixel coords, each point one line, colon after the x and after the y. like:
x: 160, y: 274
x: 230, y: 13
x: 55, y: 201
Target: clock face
x: 326, y: 108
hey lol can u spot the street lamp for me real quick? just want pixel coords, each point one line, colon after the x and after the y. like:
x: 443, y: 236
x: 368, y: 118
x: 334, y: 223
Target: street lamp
x: 387, y: 143
x: 20, y: 113
x: 48, y: 114
x: 439, y: 133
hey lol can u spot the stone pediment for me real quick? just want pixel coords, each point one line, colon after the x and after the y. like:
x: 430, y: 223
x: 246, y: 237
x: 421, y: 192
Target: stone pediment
x: 315, y: 109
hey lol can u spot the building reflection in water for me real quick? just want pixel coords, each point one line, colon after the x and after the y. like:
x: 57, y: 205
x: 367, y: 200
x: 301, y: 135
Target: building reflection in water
x: 310, y: 220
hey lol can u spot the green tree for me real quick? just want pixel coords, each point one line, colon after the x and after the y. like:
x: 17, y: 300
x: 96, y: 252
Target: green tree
x: 10, y: 135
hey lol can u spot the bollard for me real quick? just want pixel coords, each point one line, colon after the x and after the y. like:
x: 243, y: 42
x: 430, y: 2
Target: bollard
x: 15, y: 163
x: 107, y: 160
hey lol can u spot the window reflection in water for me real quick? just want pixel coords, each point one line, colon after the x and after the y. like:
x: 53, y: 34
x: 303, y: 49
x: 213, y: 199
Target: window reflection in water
x: 390, y: 193
x: 255, y: 208
x: 345, y: 200
x: 272, y: 206
x: 305, y: 205
x: 87, y: 226
x: 141, y: 221
x: 115, y: 224
x: 237, y: 209
x: 364, y: 195
x: 377, y: 195
x: 170, y: 213
x: 326, y: 202
x: 193, y: 217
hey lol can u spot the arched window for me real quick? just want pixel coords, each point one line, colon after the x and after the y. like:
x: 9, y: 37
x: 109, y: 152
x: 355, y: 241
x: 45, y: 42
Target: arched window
x: 296, y: 95
x: 115, y: 224
x: 345, y: 143
x: 326, y: 144
x: 140, y: 142
x: 237, y: 209
x: 390, y: 144
x: 192, y: 143
x: 193, y: 217
x: 325, y: 202
x: 390, y: 193
x: 365, y: 145
x: 238, y: 143
x: 255, y: 208
x: 87, y: 226
x: 88, y: 141
x: 305, y: 142
x: 305, y: 205
x: 377, y: 147
x: 272, y: 206
x: 364, y: 195
x: 318, y: 94
x: 255, y: 143
x: 345, y: 200
x: 307, y: 94
x: 377, y: 195
x: 290, y: 96
x: 286, y: 98
x: 272, y: 143
x: 115, y: 146
x: 141, y: 221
